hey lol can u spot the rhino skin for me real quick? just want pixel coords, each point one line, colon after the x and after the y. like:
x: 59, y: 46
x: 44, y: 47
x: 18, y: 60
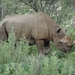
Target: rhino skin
x: 38, y: 28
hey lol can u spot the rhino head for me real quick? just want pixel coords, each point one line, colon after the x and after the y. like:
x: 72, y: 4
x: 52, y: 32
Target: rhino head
x: 63, y: 42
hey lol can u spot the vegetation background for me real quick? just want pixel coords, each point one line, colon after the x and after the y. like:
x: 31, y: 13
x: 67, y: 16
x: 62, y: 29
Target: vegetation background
x: 24, y: 59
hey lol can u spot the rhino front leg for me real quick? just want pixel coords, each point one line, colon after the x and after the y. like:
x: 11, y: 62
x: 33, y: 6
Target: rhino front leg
x: 40, y: 46
x: 47, y: 47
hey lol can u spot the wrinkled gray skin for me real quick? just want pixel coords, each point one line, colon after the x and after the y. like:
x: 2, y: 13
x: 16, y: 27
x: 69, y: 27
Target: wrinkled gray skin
x: 38, y: 28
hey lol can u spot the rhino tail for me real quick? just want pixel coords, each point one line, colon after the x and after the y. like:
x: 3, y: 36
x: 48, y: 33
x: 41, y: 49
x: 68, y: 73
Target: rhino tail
x: 3, y: 26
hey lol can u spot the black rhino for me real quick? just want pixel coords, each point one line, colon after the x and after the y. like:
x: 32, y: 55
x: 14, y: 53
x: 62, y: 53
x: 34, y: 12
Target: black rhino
x: 39, y: 29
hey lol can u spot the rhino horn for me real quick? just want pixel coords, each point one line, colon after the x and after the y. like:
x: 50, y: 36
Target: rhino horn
x: 74, y: 42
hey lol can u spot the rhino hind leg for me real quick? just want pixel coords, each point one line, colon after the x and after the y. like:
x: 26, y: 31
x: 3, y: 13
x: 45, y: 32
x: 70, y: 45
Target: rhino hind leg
x: 47, y: 47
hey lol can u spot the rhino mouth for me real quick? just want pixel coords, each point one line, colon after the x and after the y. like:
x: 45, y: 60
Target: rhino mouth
x: 65, y: 50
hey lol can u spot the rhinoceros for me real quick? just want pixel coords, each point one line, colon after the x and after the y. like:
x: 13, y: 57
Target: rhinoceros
x: 39, y: 29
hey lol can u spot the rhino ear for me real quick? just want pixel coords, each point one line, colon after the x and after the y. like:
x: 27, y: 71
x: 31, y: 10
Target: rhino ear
x: 66, y: 29
x: 58, y: 30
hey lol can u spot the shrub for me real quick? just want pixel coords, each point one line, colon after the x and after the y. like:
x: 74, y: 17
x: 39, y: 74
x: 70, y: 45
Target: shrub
x: 17, y: 58
x: 39, y: 65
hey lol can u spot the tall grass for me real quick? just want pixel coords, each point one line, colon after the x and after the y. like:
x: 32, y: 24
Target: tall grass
x: 17, y: 58
x: 37, y: 66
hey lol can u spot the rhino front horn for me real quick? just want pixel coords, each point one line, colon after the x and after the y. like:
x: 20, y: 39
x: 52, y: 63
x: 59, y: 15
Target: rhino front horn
x: 74, y: 42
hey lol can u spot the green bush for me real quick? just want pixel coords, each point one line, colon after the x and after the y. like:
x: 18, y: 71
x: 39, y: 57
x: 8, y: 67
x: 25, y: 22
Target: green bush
x: 15, y: 51
x: 17, y: 58
x: 39, y: 65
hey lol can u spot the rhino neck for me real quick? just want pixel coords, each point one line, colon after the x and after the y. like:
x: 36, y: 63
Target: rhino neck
x: 50, y: 34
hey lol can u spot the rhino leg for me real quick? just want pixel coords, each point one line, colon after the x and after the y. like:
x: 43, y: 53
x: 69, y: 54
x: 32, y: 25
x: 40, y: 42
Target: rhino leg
x: 47, y: 47
x: 40, y: 46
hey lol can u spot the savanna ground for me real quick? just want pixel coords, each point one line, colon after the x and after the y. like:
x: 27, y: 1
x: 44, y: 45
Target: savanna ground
x: 25, y: 60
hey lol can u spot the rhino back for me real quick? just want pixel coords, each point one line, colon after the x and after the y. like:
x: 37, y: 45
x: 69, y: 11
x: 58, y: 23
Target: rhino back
x: 38, y: 25
x: 29, y: 25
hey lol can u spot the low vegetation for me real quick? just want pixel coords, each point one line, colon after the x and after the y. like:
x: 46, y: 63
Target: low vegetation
x: 21, y: 59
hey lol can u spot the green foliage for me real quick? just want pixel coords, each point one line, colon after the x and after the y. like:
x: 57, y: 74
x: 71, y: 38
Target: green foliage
x: 13, y: 50
x: 59, y: 10
x: 17, y: 58
x: 40, y: 65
